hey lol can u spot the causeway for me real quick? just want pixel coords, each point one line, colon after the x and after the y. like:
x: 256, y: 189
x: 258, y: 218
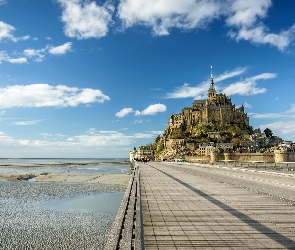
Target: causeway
x: 203, y: 206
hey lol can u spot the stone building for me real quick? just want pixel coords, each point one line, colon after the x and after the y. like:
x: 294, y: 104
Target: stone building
x: 143, y: 151
x: 217, y: 109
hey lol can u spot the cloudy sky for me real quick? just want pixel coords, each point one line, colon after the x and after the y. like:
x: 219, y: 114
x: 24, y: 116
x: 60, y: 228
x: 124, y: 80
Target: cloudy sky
x: 84, y: 78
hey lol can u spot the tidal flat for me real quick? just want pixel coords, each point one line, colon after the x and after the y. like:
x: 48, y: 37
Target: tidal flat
x: 60, y: 213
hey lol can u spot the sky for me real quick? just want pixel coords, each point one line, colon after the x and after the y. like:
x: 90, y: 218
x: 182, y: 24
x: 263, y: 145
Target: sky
x: 93, y: 79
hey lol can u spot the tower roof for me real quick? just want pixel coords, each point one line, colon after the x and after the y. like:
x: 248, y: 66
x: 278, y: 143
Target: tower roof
x: 211, y: 89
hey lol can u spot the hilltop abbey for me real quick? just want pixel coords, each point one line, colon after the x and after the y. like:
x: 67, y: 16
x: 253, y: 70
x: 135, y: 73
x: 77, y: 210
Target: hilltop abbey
x: 215, y: 130
x: 217, y: 109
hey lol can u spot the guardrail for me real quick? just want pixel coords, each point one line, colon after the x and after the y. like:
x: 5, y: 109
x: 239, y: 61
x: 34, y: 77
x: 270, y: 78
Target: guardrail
x: 127, y: 229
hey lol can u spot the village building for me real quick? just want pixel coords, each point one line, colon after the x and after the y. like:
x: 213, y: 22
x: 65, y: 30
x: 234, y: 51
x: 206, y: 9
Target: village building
x: 142, y: 152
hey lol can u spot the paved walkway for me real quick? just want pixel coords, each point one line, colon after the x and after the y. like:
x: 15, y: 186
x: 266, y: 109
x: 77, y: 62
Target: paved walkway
x: 186, y: 211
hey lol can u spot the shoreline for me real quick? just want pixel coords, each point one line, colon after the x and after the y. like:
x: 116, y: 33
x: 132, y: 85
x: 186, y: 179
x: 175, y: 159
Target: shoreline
x: 70, y: 172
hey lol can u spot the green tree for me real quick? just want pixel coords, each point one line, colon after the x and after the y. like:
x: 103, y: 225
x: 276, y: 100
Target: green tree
x: 236, y: 141
x: 158, y: 139
x: 268, y: 132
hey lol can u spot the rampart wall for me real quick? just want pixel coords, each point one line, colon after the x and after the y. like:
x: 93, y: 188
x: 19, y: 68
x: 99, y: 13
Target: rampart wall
x: 247, y: 157
x: 192, y: 158
x: 277, y: 156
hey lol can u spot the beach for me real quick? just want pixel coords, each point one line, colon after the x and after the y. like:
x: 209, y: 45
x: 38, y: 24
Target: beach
x: 59, y: 206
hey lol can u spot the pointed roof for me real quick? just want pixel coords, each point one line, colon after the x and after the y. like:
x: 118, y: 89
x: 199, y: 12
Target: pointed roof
x: 211, y: 89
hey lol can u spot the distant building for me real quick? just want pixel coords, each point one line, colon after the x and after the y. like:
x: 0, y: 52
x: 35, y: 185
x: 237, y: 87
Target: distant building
x: 217, y: 109
x: 143, y: 151
x: 205, y: 149
x: 225, y: 146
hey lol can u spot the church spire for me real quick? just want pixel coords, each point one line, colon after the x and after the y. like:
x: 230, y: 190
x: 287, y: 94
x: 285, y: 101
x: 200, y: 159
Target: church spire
x: 212, y: 82
x: 211, y: 91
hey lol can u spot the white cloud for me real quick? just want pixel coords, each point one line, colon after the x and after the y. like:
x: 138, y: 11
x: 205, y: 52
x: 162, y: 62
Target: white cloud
x: 267, y: 115
x: 164, y: 15
x: 101, y: 139
x: 160, y: 132
x: 85, y: 19
x: 247, y: 105
x: 20, y: 60
x: 123, y: 112
x: 46, y: 135
x: 153, y: 109
x: 3, y: 2
x: 25, y: 123
x: 102, y: 143
x: 231, y: 74
x: 60, y: 50
x: 150, y: 110
x: 248, y: 86
x: 44, y: 95
x: 186, y: 91
x: 260, y: 35
x: 6, y: 32
x: 290, y: 113
x: 137, y: 121
x: 263, y: 76
x: 199, y: 92
x: 91, y: 131
x: 245, y: 19
x: 143, y: 135
x: 245, y: 13
x: 38, y: 54
x: 6, y: 58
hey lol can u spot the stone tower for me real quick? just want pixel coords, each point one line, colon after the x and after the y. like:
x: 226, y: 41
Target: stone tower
x: 211, y: 91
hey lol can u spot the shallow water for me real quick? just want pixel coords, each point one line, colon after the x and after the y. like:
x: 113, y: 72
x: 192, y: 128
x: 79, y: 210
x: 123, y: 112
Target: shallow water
x: 103, y: 203
x: 27, y: 161
x: 89, y: 169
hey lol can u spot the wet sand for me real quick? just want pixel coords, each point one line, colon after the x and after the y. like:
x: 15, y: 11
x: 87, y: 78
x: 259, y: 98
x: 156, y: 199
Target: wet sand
x: 40, y: 173
x: 26, y: 225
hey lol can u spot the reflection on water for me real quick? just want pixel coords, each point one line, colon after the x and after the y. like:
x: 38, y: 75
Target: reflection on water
x: 104, y: 203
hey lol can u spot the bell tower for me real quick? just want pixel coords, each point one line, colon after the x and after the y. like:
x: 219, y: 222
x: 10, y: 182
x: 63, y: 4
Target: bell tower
x: 211, y: 91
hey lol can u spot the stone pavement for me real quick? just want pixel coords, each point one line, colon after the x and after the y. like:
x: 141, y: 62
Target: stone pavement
x: 186, y: 211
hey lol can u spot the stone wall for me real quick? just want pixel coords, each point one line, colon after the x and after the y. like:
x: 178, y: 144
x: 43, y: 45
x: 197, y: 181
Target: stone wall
x: 277, y: 156
x: 247, y: 157
x: 192, y: 158
x: 283, y: 156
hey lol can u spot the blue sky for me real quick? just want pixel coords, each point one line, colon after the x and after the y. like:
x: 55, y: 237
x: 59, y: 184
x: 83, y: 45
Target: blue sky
x: 96, y: 78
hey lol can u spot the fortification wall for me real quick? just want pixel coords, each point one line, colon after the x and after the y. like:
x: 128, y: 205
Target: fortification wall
x: 193, y: 158
x: 248, y: 157
x: 277, y: 156
x: 283, y: 156
x: 291, y: 157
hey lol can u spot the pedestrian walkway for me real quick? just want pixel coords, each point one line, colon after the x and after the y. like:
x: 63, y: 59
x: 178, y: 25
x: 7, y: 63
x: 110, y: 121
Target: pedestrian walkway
x: 186, y: 211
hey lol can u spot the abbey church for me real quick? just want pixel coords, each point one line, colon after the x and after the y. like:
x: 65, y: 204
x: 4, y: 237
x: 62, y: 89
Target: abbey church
x: 217, y: 109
